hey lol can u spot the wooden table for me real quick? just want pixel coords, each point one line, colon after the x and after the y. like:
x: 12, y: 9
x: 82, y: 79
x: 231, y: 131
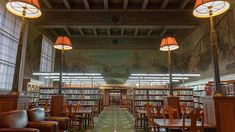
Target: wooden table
x: 143, y: 117
x: 86, y: 113
x: 178, y: 123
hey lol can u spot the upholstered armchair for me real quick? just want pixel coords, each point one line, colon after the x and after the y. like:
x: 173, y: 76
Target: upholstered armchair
x: 38, y: 115
x: 15, y: 121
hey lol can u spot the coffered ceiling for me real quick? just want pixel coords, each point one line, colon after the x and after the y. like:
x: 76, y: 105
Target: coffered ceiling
x: 117, y: 37
x: 117, y: 19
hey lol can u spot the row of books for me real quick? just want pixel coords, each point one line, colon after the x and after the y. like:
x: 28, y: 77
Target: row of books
x: 49, y: 91
x: 182, y: 92
x: 45, y: 96
x: 140, y: 92
x: 140, y: 102
x: 197, y: 100
x: 199, y: 93
x: 140, y: 97
x: 160, y: 92
x: 83, y: 96
x: 186, y: 97
x: 228, y: 89
x: 156, y: 97
x: 83, y: 102
x: 34, y: 99
x: 80, y: 91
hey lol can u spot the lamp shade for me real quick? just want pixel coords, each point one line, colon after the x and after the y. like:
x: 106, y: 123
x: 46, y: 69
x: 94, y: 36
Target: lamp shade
x: 24, y: 8
x: 63, y: 43
x: 168, y: 43
x: 202, y: 8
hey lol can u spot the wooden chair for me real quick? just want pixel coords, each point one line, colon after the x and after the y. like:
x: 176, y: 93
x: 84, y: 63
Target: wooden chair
x: 171, y: 112
x: 194, y: 116
x: 158, y: 113
x: 78, y: 106
x: 46, y: 107
x: 91, y: 118
x: 150, y: 119
x: 137, y: 117
x: 71, y: 112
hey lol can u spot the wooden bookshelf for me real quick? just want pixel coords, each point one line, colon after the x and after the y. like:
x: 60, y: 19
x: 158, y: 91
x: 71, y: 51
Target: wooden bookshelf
x: 87, y: 97
x: 138, y: 97
x: 227, y: 88
x: 33, y: 92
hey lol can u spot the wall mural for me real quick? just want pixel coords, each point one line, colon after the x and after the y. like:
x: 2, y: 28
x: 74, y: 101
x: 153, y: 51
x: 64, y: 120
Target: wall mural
x: 33, y: 52
x: 115, y: 64
x: 200, y: 59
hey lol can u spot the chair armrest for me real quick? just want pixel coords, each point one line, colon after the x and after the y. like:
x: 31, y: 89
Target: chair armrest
x: 63, y: 122
x: 18, y: 130
x: 44, y: 126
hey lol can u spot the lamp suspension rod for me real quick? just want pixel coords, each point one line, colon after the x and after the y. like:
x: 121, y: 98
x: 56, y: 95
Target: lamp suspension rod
x: 61, y: 70
x: 15, y: 85
x: 214, y: 54
x: 169, y: 68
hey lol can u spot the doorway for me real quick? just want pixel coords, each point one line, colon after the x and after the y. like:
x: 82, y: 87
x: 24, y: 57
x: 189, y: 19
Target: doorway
x: 114, y: 97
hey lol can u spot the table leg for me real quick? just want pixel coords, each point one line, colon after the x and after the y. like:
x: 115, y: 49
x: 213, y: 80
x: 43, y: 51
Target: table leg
x: 141, y: 120
x: 85, y: 121
x: 144, y: 122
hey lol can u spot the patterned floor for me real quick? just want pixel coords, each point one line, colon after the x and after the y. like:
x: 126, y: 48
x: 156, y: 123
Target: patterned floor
x: 114, y: 119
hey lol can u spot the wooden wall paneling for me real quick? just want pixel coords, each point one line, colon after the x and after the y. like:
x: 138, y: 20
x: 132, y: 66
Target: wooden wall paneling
x: 57, y: 105
x: 225, y: 113
x: 13, y: 102
x: 172, y: 101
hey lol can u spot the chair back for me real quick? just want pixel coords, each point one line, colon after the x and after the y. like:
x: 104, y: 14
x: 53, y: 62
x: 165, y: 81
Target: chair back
x: 78, y: 106
x: 195, y: 115
x: 93, y: 110
x: 46, y: 105
x: 171, y: 112
x: 69, y: 109
x: 147, y: 106
x: 184, y: 108
x: 150, y: 119
x: 36, y: 114
x: 14, y: 119
x: 158, y: 109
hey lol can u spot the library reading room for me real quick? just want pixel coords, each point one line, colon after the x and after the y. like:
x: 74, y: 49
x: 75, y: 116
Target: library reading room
x: 117, y: 65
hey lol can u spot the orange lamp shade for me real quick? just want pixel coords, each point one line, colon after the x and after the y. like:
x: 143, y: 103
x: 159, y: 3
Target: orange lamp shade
x: 207, y: 8
x: 168, y: 43
x: 63, y: 43
x: 24, y: 8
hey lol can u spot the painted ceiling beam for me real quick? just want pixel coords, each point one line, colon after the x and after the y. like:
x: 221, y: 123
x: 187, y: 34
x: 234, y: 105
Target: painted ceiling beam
x: 122, y: 32
x: 108, y: 31
x: 106, y: 4
x: 67, y: 31
x: 163, y: 31
x: 180, y: 18
x: 66, y: 3
x: 184, y: 4
x: 86, y: 4
x: 150, y: 32
x: 125, y: 4
x: 48, y: 5
x: 145, y: 4
x: 164, y: 4
x: 81, y: 32
x: 121, y: 26
x: 94, y: 31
